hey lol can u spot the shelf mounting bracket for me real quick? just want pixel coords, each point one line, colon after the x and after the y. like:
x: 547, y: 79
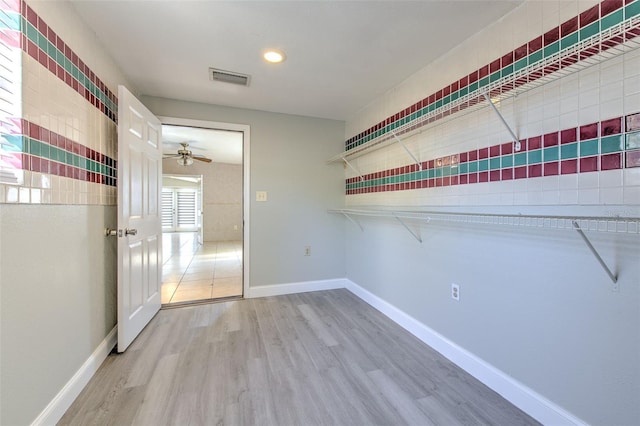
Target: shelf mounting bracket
x: 354, y: 168
x: 415, y: 235
x: 579, y: 230
x: 355, y: 222
x: 516, y: 141
x: 415, y: 160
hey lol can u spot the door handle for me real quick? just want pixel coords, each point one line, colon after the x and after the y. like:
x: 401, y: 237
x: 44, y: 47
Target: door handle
x: 132, y: 231
x: 108, y: 232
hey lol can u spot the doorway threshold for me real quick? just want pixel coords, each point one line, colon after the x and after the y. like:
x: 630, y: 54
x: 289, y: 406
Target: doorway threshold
x: 200, y: 302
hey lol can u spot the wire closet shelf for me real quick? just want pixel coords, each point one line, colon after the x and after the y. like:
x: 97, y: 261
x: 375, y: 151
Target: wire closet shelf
x: 608, y: 44
x: 580, y: 224
x: 615, y: 224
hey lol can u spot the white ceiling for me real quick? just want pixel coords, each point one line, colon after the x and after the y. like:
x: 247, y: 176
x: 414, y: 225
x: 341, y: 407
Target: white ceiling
x: 221, y: 146
x: 341, y: 55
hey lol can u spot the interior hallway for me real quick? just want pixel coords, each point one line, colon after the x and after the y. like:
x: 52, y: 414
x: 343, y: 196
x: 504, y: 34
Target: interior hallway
x: 194, y: 272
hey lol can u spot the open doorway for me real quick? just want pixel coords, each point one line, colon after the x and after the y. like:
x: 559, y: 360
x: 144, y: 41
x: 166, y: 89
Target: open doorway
x: 203, y: 213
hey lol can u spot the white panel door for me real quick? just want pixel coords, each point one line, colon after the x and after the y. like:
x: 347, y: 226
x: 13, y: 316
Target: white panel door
x: 139, y: 217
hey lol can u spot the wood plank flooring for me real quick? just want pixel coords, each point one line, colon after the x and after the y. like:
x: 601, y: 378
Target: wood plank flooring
x: 321, y: 358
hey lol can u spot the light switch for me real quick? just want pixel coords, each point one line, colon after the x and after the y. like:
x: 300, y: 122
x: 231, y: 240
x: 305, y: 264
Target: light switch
x: 261, y: 195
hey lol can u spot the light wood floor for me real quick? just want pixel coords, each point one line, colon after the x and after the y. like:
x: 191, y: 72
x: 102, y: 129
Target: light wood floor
x: 322, y: 358
x: 193, y: 272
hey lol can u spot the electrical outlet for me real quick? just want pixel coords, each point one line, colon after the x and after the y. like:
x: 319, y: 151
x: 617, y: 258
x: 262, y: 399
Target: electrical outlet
x: 455, y: 292
x: 307, y: 250
x: 261, y: 195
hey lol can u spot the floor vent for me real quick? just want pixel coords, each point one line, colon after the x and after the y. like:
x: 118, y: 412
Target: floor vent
x: 228, y: 77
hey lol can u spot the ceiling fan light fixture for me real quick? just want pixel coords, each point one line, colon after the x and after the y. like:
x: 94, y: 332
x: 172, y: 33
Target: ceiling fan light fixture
x: 273, y: 56
x: 185, y: 161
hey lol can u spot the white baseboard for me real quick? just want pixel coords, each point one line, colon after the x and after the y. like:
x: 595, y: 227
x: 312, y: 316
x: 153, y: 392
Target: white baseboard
x: 63, y: 400
x: 515, y: 392
x: 290, y: 288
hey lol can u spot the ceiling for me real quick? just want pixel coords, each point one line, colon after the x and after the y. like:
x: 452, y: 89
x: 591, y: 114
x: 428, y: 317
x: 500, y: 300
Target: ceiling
x: 340, y: 55
x: 221, y: 146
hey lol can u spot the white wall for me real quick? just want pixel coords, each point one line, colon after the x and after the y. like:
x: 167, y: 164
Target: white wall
x: 535, y: 303
x: 288, y: 160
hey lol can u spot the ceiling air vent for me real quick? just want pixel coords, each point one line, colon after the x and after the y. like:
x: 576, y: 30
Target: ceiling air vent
x: 228, y: 77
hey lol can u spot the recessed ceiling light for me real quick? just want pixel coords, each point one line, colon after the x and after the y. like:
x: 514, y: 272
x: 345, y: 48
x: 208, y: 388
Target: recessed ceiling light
x: 273, y: 56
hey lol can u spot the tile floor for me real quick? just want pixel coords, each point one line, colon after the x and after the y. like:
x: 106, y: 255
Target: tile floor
x: 193, y: 272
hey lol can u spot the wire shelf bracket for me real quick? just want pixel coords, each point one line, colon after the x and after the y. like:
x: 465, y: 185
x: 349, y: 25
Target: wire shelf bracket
x: 516, y: 140
x: 415, y: 234
x: 614, y: 277
x: 355, y: 222
x: 415, y: 160
x: 354, y: 168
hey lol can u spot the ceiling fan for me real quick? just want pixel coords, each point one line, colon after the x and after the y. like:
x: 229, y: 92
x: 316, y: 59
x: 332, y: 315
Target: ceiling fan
x: 185, y: 157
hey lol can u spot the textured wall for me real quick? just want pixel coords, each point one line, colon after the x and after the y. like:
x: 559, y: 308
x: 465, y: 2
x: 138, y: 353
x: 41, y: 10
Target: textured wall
x: 223, y: 203
x: 222, y: 197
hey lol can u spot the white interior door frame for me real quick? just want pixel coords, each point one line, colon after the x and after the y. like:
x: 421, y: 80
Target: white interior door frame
x: 246, y: 197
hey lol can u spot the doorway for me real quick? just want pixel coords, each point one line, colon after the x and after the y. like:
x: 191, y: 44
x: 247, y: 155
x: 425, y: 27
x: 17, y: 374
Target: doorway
x: 203, y: 211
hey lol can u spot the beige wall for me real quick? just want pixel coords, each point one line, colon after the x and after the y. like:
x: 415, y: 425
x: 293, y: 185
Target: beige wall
x: 222, y: 197
x: 222, y: 203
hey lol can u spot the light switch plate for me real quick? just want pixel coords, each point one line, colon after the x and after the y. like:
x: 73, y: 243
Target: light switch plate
x: 261, y: 195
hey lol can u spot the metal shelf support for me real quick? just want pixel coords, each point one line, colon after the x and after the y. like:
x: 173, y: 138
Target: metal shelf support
x: 354, y: 168
x: 415, y: 160
x: 355, y: 222
x: 516, y: 140
x: 415, y: 235
x: 579, y: 230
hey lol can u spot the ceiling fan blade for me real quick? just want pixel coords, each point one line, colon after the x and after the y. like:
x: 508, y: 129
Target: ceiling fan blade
x: 166, y: 157
x: 204, y: 159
